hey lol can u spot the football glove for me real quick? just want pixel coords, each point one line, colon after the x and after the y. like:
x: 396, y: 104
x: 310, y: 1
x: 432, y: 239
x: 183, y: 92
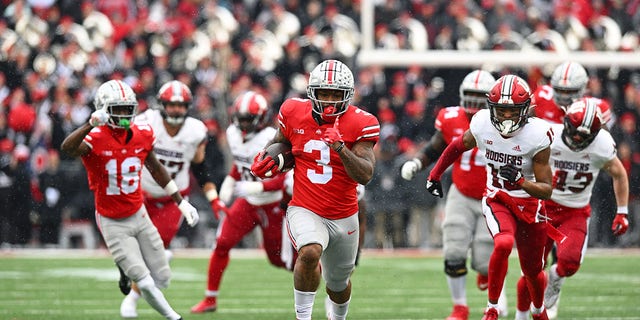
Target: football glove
x: 620, y: 224
x: 99, y: 118
x: 189, y: 212
x: 332, y: 135
x: 216, y: 206
x: 435, y: 188
x: 247, y: 188
x: 410, y: 168
x: 511, y: 173
x: 263, y: 166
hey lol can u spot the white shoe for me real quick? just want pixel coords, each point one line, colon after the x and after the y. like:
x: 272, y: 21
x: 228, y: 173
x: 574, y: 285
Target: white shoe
x: 552, y: 312
x: 554, y: 284
x: 129, y: 308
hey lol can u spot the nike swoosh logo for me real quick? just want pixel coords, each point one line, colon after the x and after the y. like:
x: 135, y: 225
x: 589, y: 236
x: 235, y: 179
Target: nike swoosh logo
x: 351, y: 232
x: 138, y: 150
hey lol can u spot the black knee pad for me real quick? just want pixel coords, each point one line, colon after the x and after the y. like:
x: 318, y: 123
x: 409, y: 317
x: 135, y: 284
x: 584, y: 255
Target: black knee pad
x: 455, y: 268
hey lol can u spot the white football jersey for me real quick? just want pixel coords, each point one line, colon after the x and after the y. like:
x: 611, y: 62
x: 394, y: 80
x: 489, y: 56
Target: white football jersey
x: 574, y: 173
x: 518, y: 149
x: 175, y: 153
x: 243, y: 153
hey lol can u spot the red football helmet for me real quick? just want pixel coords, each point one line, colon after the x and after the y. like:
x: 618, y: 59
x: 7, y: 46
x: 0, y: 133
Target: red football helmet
x: 582, y: 122
x: 175, y: 93
x: 250, y: 112
x: 509, y: 101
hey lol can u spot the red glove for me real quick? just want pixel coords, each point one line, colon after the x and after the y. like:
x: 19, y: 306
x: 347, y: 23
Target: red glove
x: 216, y: 206
x: 620, y: 224
x: 263, y: 166
x: 332, y: 135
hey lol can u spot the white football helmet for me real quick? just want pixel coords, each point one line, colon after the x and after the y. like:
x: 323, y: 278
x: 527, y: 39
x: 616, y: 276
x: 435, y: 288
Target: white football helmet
x: 474, y: 89
x: 119, y: 101
x: 333, y: 75
x: 175, y: 92
x: 569, y: 81
x: 250, y: 111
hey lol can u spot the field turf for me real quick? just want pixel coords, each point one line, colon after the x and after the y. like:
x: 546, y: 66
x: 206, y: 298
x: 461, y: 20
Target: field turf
x: 76, y: 284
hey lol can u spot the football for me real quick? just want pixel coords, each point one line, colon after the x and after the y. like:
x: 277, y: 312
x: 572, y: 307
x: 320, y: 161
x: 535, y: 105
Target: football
x: 282, y: 155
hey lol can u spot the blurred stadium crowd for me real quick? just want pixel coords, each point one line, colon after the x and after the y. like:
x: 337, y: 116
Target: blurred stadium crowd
x: 55, y: 53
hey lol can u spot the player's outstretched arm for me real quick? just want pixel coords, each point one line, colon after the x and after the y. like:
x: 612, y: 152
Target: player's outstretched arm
x: 72, y: 144
x: 427, y: 155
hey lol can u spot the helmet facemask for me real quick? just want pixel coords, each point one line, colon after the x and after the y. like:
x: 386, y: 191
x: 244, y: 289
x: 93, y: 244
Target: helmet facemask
x: 581, y: 124
x: 119, y: 101
x: 510, y: 94
x: 474, y: 89
x: 250, y: 113
x: 330, y: 75
x: 175, y: 93
x: 569, y: 81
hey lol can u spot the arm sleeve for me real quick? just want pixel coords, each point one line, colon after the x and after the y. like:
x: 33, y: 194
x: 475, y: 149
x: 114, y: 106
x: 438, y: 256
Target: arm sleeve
x: 454, y: 150
x: 202, y: 172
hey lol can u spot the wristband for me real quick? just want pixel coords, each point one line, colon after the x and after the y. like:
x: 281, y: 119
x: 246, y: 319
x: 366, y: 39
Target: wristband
x: 418, y: 162
x: 340, y: 147
x: 171, y: 188
x: 623, y: 210
x: 211, y: 195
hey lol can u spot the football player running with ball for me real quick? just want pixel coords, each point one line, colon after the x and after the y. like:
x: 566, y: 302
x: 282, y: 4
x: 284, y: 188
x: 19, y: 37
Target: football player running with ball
x: 464, y: 229
x: 113, y: 151
x: 332, y: 142
x: 578, y: 152
x: 180, y: 143
x: 516, y: 150
x: 257, y: 201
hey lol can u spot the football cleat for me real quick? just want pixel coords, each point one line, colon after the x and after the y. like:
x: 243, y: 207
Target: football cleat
x: 552, y: 312
x: 459, y: 312
x: 128, y: 308
x: 540, y: 316
x: 124, y: 283
x: 208, y: 304
x: 552, y: 292
x: 490, y: 314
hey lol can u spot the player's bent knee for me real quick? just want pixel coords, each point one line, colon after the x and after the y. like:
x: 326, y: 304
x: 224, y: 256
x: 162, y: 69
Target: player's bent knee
x: 338, y: 279
x: 455, y: 268
x: 503, y: 243
x: 569, y: 269
x: 310, y: 254
x: 163, y: 278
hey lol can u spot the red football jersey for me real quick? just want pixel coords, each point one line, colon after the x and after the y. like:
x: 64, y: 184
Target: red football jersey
x: 114, y: 168
x: 547, y: 109
x: 321, y: 181
x: 469, y: 173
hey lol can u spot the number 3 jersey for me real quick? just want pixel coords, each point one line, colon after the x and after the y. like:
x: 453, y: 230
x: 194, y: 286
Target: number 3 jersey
x: 518, y: 149
x: 175, y: 153
x: 574, y: 173
x: 469, y: 173
x: 114, y: 166
x: 322, y: 184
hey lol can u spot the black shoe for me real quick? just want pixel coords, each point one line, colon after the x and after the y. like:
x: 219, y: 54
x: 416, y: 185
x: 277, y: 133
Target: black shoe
x: 124, y: 283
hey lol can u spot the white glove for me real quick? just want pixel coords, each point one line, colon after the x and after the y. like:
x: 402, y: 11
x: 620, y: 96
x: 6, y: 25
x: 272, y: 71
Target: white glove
x: 189, y: 212
x: 247, y: 188
x: 99, y: 118
x: 410, y: 168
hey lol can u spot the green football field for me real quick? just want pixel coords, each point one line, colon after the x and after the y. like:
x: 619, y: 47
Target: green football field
x: 83, y: 285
